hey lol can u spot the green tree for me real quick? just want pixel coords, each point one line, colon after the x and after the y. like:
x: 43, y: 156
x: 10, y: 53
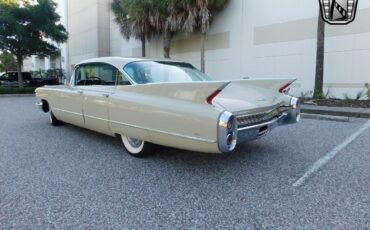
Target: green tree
x: 28, y: 29
x: 7, y: 62
x: 320, y: 53
x: 134, y: 18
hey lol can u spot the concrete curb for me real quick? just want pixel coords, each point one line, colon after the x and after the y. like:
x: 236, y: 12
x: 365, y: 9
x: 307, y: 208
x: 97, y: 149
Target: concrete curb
x: 337, y: 111
x: 325, y: 117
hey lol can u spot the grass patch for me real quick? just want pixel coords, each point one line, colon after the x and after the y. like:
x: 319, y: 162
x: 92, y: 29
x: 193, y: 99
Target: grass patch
x: 17, y: 90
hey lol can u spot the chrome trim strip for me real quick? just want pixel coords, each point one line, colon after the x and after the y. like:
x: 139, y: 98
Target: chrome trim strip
x: 140, y: 127
x: 262, y: 124
x: 168, y: 133
x: 97, y: 118
x: 66, y: 111
x: 257, y: 111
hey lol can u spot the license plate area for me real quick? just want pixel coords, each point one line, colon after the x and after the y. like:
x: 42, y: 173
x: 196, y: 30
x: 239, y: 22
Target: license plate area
x: 263, y: 131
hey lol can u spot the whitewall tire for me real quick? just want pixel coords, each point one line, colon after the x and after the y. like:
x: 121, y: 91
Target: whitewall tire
x: 136, y: 147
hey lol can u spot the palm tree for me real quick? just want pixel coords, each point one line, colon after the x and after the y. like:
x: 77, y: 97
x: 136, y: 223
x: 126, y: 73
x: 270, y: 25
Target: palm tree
x: 134, y: 19
x: 319, y: 76
x: 160, y: 21
x: 195, y: 15
x: 144, y: 19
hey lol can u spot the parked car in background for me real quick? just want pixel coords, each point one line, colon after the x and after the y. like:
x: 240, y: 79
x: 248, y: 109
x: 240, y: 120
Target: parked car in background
x: 49, y: 77
x: 171, y: 103
x: 41, y: 81
x: 11, y: 79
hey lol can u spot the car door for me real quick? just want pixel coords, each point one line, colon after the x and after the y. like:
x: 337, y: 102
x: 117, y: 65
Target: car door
x: 99, y: 85
x: 67, y: 105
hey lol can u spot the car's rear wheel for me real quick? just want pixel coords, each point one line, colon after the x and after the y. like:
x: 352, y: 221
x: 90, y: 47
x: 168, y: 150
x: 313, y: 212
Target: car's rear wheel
x: 53, y: 120
x: 137, y: 148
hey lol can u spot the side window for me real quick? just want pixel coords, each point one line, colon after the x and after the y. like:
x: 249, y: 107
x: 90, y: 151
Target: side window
x: 122, y: 80
x: 107, y: 74
x: 5, y: 76
x: 87, y: 74
x: 96, y: 74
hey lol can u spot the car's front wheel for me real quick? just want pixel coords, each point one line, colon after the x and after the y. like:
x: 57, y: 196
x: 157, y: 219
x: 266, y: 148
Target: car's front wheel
x: 138, y: 148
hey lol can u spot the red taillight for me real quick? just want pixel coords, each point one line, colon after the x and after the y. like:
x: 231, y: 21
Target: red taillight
x: 212, y: 96
x: 281, y: 90
x: 55, y: 81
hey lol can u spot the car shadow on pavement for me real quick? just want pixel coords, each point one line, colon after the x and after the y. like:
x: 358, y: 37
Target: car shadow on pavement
x: 242, y: 153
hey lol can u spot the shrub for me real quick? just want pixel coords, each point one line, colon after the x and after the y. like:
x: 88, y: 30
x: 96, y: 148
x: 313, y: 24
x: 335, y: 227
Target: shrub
x: 16, y: 90
x: 367, y: 85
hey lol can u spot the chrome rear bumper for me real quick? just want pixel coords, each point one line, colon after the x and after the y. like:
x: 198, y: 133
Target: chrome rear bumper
x: 255, y: 131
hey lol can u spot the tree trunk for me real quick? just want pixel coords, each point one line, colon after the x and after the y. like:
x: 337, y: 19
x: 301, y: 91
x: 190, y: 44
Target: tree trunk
x: 19, y: 70
x: 143, y: 46
x: 319, y: 76
x: 166, y: 44
x: 202, y: 51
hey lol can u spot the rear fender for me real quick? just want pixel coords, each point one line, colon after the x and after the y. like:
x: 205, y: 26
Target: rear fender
x: 270, y: 83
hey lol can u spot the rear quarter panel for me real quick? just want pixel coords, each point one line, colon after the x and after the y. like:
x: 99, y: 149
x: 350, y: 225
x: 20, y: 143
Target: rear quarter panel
x: 165, y: 121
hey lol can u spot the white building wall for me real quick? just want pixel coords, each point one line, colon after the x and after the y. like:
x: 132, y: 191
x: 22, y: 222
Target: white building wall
x: 62, y: 11
x: 89, y: 29
x: 27, y: 64
x: 273, y: 39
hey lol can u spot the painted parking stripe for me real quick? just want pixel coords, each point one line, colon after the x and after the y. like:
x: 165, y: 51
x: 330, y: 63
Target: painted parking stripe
x: 330, y: 155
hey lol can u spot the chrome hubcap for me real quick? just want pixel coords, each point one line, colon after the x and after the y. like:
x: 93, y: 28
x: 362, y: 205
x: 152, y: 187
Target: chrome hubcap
x: 136, y: 143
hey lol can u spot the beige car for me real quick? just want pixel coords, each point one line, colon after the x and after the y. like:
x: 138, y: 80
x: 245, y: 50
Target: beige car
x: 170, y: 103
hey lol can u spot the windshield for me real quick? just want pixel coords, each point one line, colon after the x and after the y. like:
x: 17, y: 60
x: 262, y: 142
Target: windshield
x: 143, y: 72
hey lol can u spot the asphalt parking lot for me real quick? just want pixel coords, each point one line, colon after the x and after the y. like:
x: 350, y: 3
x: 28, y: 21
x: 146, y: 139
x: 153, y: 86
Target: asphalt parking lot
x: 67, y: 178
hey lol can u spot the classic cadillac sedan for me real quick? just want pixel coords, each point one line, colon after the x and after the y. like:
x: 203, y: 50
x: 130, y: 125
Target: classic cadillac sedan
x: 147, y: 103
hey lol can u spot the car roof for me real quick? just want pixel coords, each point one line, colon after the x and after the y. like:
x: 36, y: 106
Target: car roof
x: 120, y: 62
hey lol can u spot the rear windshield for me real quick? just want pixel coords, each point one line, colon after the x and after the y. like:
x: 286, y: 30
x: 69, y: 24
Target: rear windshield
x: 143, y: 72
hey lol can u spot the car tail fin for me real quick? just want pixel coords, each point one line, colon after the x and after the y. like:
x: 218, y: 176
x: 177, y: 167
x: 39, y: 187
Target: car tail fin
x: 278, y: 84
x: 212, y: 96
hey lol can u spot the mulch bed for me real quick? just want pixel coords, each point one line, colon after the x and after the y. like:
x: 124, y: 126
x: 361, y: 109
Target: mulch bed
x: 342, y: 103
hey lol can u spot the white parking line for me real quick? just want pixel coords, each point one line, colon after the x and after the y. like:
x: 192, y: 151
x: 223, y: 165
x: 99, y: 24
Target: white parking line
x: 330, y: 155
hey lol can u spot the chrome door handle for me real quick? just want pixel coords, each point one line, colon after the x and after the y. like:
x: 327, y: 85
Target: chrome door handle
x: 105, y: 94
